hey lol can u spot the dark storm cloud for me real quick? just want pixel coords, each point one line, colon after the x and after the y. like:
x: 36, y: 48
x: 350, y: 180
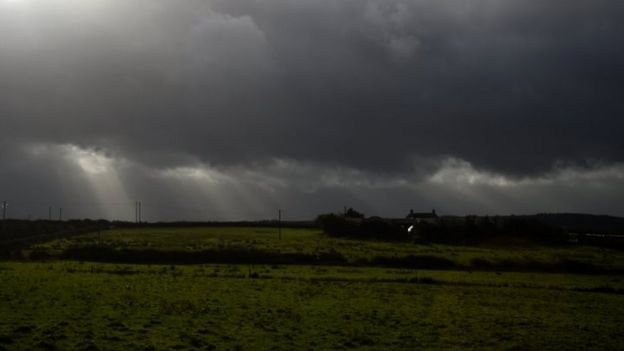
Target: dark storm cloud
x: 310, y: 97
x: 513, y: 86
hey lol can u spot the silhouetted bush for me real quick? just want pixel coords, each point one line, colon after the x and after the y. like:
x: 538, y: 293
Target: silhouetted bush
x: 473, y: 230
x: 351, y: 213
x: 533, y: 229
x: 360, y: 228
x: 469, y: 230
x: 337, y: 226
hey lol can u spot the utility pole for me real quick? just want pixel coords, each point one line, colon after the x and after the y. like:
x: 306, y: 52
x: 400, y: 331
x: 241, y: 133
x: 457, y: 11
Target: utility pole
x: 4, y: 207
x: 140, y: 214
x: 99, y: 228
x: 50, y: 213
x: 279, y: 223
x: 60, y: 214
x: 136, y: 212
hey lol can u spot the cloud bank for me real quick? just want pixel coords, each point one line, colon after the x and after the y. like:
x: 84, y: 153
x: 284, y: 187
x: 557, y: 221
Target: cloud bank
x: 230, y: 109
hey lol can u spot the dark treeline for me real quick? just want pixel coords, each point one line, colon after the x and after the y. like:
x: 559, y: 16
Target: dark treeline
x: 477, y: 230
x: 469, y: 230
x: 585, y: 223
x: 336, y: 225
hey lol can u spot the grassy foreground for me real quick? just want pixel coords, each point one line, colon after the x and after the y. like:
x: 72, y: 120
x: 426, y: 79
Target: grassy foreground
x: 73, y: 306
x: 490, y: 297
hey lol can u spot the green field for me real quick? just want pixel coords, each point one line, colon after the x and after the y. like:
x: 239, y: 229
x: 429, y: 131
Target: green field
x: 70, y: 305
x: 311, y: 241
x: 66, y: 305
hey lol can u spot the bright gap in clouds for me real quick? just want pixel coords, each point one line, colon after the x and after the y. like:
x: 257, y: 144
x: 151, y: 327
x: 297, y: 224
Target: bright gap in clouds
x: 90, y: 161
x: 101, y: 184
x: 87, y: 182
x: 102, y: 176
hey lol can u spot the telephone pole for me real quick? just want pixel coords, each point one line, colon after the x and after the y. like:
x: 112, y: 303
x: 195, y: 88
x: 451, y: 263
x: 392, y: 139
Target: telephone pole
x: 279, y: 223
x: 50, y: 213
x: 4, y: 207
x: 60, y: 214
x: 138, y: 212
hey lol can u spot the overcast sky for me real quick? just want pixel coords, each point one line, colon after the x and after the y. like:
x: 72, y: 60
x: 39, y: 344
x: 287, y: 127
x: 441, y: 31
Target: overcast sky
x: 223, y: 110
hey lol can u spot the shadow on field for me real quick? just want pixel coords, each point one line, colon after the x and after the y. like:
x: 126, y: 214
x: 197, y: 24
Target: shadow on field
x: 334, y: 258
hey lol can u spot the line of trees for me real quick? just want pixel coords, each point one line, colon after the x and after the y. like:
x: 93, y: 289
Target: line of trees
x: 361, y: 228
x: 449, y: 230
x: 481, y: 229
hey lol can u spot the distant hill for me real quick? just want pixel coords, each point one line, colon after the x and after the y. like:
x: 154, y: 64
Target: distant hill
x: 585, y: 223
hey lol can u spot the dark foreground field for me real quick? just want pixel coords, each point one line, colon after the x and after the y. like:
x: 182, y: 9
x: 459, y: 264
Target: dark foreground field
x: 59, y: 304
x: 123, y: 307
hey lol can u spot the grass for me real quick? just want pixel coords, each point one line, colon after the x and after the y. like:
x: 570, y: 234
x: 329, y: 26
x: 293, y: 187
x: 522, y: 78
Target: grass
x: 72, y: 305
x: 312, y: 242
x: 91, y: 306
